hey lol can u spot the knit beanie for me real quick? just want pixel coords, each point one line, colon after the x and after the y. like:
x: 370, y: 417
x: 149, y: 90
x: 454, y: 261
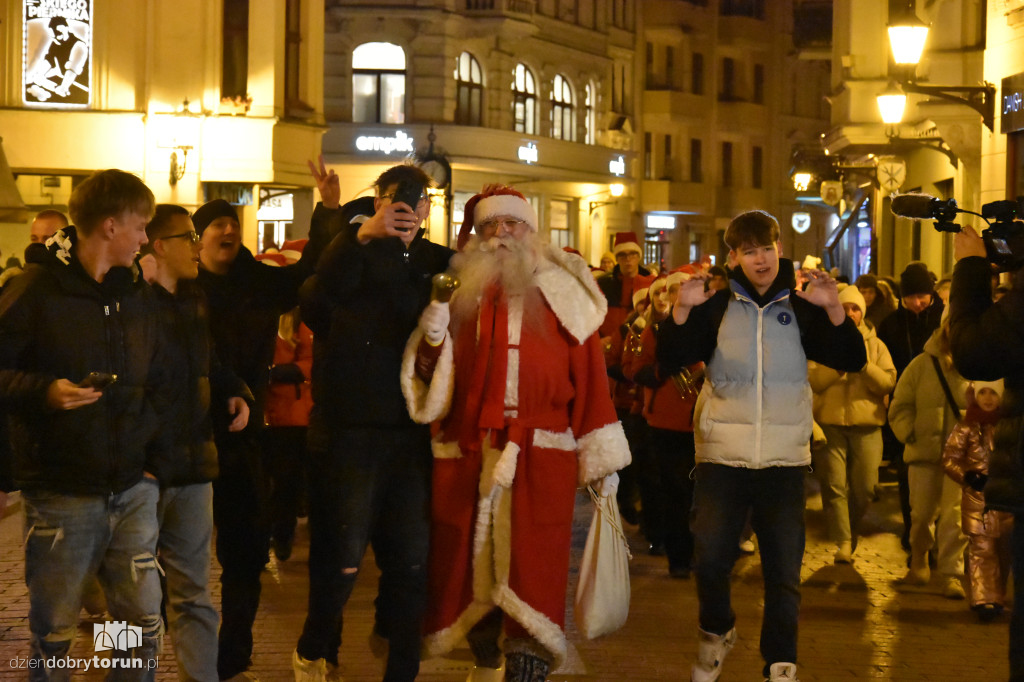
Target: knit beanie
x: 916, y: 279
x: 852, y: 295
x: 210, y: 211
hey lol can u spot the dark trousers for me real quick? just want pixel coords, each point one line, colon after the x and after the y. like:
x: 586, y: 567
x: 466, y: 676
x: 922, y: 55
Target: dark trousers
x: 774, y: 497
x: 243, y: 544
x: 672, y: 452
x: 370, y: 486
x: 284, y: 453
x: 1017, y: 614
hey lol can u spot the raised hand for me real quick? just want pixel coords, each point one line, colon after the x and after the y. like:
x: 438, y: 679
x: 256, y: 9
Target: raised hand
x: 691, y: 293
x: 327, y: 182
x: 823, y: 291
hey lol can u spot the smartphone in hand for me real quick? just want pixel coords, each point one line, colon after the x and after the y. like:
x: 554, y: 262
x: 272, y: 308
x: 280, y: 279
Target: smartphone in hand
x: 97, y: 380
x: 408, y: 193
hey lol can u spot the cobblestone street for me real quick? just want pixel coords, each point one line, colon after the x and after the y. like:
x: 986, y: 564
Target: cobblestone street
x: 856, y: 622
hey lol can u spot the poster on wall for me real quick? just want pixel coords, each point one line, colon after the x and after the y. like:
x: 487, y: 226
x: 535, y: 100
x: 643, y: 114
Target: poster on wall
x: 56, y: 60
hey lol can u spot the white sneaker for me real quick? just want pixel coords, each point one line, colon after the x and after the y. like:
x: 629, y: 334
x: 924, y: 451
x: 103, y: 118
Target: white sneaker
x: 309, y: 671
x: 711, y: 651
x: 782, y: 672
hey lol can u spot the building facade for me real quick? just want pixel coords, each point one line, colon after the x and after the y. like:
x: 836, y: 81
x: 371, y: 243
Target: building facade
x: 727, y: 93
x: 200, y: 99
x: 536, y: 94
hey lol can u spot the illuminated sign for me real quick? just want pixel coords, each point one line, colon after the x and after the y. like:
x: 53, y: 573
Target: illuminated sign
x: 528, y: 153
x: 399, y: 143
x: 1012, y: 110
x: 617, y: 166
x: 661, y: 222
x: 801, y: 222
x: 56, y: 53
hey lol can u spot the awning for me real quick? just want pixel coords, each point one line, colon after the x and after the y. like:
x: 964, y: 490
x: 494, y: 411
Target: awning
x: 12, y: 208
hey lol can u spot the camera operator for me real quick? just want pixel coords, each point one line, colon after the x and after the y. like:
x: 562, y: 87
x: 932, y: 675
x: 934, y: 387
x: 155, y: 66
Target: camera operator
x: 988, y: 343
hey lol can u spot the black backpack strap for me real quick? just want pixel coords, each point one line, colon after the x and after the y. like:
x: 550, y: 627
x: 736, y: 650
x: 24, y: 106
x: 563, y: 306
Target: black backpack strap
x: 945, y: 388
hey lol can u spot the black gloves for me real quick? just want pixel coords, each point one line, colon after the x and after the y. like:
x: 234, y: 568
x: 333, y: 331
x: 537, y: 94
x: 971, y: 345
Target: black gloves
x: 286, y: 374
x: 976, y: 479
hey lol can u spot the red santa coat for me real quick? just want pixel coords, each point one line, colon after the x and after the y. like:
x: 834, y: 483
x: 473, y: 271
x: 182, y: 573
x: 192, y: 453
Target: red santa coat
x: 530, y: 419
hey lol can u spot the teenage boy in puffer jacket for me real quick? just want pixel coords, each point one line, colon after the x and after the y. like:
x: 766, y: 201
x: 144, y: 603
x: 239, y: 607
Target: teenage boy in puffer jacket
x: 753, y: 427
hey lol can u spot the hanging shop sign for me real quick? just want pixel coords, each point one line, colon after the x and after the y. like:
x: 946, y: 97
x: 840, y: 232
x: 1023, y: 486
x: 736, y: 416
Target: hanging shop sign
x: 1012, y: 104
x: 528, y: 153
x: 56, y: 61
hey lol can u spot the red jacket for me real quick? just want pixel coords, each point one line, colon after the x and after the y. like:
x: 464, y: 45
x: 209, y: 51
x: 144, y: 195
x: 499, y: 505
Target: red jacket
x: 664, y: 405
x: 289, y: 404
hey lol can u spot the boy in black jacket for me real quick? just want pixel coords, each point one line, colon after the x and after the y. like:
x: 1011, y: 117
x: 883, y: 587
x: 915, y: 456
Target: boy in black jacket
x: 186, y: 462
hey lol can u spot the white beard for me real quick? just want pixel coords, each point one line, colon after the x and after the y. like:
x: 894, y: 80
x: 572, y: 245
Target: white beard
x: 507, y: 262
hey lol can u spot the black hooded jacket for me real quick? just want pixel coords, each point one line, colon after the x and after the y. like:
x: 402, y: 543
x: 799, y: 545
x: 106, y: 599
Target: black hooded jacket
x: 362, y: 305
x: 904, y: 333
x: 186, y: 453
x: 58, y: 322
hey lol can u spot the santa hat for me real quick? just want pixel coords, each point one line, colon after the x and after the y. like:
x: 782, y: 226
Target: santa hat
x: 292, y: 249
x: 657, y: 285
x: 274, y: 259
x: 680, y: 275
x: 851, y: 294
x: 494, y: 201
x: 626, y: 241
x: 639, y: 296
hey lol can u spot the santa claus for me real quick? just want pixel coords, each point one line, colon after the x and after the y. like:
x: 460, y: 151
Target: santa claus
x: 516, y: 376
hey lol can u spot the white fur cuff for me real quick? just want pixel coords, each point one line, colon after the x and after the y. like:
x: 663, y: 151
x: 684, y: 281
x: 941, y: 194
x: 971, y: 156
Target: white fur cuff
x: 427, y: 403
x: 601, y: 452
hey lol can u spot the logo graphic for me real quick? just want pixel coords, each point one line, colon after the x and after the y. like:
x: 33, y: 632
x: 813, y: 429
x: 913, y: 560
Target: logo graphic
x: 116, y: 635
x: 785, y: 318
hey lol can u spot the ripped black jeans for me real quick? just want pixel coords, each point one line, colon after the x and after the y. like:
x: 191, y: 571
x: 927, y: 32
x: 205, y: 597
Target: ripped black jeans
x: 371, y: 486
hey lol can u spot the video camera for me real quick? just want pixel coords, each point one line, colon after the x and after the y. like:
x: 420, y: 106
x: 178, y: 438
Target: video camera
x: 1004, y: 236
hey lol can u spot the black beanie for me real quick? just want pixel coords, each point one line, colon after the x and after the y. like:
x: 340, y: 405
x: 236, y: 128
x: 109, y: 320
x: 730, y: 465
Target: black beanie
x: 916, y: 280
x: 210, y: 211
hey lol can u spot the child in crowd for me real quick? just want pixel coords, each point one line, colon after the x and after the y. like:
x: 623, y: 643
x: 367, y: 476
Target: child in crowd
x: 850, y: 408
x: 965, y: 459
x: 927, y: 403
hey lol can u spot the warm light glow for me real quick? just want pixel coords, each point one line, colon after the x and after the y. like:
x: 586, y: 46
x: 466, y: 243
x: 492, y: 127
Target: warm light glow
x: 616, y: 189
x: 891, y: 104
x: 801, y: 181
x: 907, y: 41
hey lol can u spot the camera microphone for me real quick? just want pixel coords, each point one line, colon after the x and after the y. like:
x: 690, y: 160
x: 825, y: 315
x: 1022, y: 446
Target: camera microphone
x: 919, y: 206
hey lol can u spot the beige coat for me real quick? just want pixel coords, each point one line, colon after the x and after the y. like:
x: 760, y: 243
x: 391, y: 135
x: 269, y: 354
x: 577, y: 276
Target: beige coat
x: 854, y: 399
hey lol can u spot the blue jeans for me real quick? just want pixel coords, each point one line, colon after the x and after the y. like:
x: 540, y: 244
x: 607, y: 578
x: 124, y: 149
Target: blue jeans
x: 372, y: 485
x: 186, y: 529
x: 774, y: 498
x: 69, y: 539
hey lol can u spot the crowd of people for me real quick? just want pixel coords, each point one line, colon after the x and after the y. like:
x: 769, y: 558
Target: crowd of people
x: 167, y: 391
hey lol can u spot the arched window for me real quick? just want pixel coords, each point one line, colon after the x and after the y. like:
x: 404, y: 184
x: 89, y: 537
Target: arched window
x: 563, y: 126
x: 469, y: 91
x: 378, y: 83
x: 589, y: 119
x: 524, y: 101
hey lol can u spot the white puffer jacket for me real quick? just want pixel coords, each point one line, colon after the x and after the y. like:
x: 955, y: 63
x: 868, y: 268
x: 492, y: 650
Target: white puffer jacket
x: 854, y: 398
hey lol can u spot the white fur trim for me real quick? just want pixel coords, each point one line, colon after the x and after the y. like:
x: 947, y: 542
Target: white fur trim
x: 627, y: 246
x: 449, y: 450
x: 565, y: 281
x: 554, y: 441
x: 501, y: 205
x: 543, y: 629
x: 428, y: 403
x: 601, y: 452
x: 505, y: 467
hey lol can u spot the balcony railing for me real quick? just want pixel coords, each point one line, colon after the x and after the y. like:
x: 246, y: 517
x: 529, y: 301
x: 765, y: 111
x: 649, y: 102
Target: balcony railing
x: 501, y: 6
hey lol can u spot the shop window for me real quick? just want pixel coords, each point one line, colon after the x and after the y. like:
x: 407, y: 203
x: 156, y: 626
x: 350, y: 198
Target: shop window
x: 234, y: 75
x: 378, y: 83
x: 589, y: 120
x: 558, y: 221
x: 469, y: 86
x: 524, y: 100
x: 563, y: 126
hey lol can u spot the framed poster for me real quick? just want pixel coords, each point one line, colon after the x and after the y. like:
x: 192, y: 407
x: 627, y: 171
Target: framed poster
x: 57, y: 53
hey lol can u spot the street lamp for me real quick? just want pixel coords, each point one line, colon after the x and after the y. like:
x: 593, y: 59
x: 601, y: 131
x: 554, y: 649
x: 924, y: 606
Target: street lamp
x: 891, y: 104
x: 907, y: 35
